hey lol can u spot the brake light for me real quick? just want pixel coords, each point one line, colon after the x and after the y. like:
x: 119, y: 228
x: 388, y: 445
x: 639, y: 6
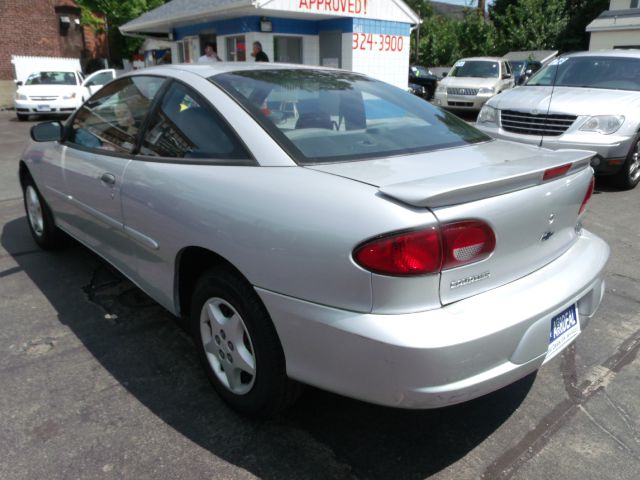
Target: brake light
x: 587, y: 197
x: 466, y: 242
x: 556, y: 172
x: 403, y: 254
x: 427, y: 251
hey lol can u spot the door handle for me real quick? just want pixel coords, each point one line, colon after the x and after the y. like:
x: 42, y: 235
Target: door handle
x: 108, y: 178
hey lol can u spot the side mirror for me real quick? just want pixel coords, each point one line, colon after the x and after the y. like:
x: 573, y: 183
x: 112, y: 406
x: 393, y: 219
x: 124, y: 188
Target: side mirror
x: 19, y: 83
x: 528, y: 72
x: 506, y: 76
x: 47, y: 132
x: 444, y: 74
x: 522, y: 79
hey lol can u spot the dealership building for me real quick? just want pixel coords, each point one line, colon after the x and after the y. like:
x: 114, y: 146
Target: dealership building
x: 367, y: 36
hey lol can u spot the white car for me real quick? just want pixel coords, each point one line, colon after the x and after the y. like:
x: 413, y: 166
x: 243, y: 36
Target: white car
x: 57, y: 92
x: 473, y: 81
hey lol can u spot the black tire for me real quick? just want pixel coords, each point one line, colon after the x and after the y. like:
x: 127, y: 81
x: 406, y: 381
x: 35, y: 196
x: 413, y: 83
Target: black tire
x: 263, y: 391
x: 629, y: 175
x: 39, y: 217
x: 22, y: 117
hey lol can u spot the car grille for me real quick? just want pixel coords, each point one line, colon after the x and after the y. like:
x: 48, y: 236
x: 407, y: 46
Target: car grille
x: 462, y: 91
x: 528, y: 124
x: 43, y: 99
x: 460, y: 104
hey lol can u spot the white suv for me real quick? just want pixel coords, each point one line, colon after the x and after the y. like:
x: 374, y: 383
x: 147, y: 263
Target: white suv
x: 473, y: 81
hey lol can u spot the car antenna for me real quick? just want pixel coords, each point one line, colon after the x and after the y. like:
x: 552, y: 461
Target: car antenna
x: 558, y: 61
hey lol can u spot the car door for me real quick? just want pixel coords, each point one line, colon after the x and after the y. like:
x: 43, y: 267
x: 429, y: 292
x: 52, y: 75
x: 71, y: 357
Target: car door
x: 100, y: 142
x: 96, y: 81
x: 506, y: 76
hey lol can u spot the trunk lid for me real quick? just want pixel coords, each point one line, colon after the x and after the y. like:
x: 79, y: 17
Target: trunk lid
x: 534, y: 220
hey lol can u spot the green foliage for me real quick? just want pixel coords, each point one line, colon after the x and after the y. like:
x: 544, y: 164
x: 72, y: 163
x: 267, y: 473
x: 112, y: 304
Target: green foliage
x: 583, y: 12
x: 530, y: 24
x: 117, y: 13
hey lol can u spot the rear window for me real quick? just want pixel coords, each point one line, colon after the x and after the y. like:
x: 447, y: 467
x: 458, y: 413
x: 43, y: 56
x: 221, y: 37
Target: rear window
x: 325, y: 116
x: 615, y: 73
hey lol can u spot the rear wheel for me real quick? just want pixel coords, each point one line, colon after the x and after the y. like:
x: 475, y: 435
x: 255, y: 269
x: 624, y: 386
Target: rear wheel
x: 629, y: 175
x: 41, y: 223
x: 238, y: 345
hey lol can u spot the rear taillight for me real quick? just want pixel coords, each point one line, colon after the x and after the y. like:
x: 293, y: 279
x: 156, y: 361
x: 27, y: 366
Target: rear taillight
x: 427, y: 251
x: 408, y: 253
x: 587, y: 197
x: 466, y: 242
x: 554, y: 172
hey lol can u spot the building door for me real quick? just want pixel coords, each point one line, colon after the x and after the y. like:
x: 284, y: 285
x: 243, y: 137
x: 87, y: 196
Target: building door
x: 331, y: 49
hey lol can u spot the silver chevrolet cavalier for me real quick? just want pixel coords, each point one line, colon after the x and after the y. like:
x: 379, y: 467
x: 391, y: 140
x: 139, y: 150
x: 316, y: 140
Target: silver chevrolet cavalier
x: 316, y: 226
x: 587, y: 100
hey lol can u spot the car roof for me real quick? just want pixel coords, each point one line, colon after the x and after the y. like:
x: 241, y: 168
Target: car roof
x: 217, y: 68
x: 484, y: 59
x: 623, y: 53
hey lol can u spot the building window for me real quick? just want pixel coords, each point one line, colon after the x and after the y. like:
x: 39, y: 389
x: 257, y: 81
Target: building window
x: 236, y: 49
x: 287, y: 49
x: 634, y: 4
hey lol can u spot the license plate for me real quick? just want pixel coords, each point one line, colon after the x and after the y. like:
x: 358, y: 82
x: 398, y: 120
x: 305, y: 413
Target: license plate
x: 564, y: 328
x: 43, y: 108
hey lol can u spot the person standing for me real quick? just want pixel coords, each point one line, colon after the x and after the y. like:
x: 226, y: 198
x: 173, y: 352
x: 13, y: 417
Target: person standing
x: 210, y: 54
x: 258, y: 54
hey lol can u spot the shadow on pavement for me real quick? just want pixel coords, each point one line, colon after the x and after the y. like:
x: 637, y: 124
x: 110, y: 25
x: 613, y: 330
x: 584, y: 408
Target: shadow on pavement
x: 324, y: 436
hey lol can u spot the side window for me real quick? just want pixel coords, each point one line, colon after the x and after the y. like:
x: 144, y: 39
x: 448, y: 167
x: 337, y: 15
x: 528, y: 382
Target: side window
x: 184, y: 126
x: 100, y: 79
x: 111, y: 119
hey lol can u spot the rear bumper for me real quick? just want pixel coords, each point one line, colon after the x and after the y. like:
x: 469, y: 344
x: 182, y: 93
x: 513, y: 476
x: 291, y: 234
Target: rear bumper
x: 610, y: 149
x: 444, y: 356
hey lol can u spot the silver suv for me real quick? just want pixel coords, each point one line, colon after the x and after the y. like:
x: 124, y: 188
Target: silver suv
x: 587, y: 100
x: 473, y: 81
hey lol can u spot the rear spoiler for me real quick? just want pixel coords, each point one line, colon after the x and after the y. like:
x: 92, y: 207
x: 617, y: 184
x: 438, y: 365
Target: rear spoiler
x: 483, y: 182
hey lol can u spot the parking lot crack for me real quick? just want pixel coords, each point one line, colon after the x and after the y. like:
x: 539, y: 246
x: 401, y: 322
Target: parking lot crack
x: 609, y: 433
x: 626, y: 418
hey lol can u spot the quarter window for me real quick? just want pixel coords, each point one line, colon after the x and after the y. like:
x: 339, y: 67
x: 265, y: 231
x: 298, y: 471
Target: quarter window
x: 184, y: 126
x: 112, y: 118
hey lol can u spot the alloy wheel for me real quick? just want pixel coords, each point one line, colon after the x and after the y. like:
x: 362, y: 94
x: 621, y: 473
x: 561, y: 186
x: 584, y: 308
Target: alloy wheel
x: 228, y: 345
x: 34, y: 211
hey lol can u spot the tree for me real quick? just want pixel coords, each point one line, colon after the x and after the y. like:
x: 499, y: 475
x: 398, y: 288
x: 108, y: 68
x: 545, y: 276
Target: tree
x: 116, y: 13
x: 583, y: 12
x: 529, y: 24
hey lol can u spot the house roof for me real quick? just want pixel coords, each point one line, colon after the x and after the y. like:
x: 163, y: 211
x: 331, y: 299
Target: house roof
x: 611, y: 20
x: 539, y: 55
x: 184, y: 12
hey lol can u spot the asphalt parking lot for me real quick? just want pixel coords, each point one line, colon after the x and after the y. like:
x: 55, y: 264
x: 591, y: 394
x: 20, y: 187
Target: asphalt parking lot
x: 98, y: 381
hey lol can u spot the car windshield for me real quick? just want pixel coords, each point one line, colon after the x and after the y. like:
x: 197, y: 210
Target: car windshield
x: 617, y: 73
x: 419, y: 71
x: 516, y: 66
x: 51, y: 78
x: 475, y: 68
x: 323, y: 116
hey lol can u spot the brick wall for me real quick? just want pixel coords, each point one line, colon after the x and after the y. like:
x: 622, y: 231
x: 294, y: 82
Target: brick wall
x: 31, y: 27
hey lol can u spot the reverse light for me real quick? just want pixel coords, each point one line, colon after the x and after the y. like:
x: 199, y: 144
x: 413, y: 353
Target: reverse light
x: 555, y: 172
x: 427, y: 251
x: 466, y: 242
x: 587, y: 196
x: 605, y: 124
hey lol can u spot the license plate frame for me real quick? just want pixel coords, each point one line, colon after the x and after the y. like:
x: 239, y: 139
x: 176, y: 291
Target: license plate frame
x: 564, y: 328
x: 43, y: 108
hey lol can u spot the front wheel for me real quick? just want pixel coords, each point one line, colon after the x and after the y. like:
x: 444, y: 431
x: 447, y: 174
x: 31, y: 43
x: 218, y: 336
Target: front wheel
x: 629, y: 175
x: 238, y: 345
x: 22, y: 117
